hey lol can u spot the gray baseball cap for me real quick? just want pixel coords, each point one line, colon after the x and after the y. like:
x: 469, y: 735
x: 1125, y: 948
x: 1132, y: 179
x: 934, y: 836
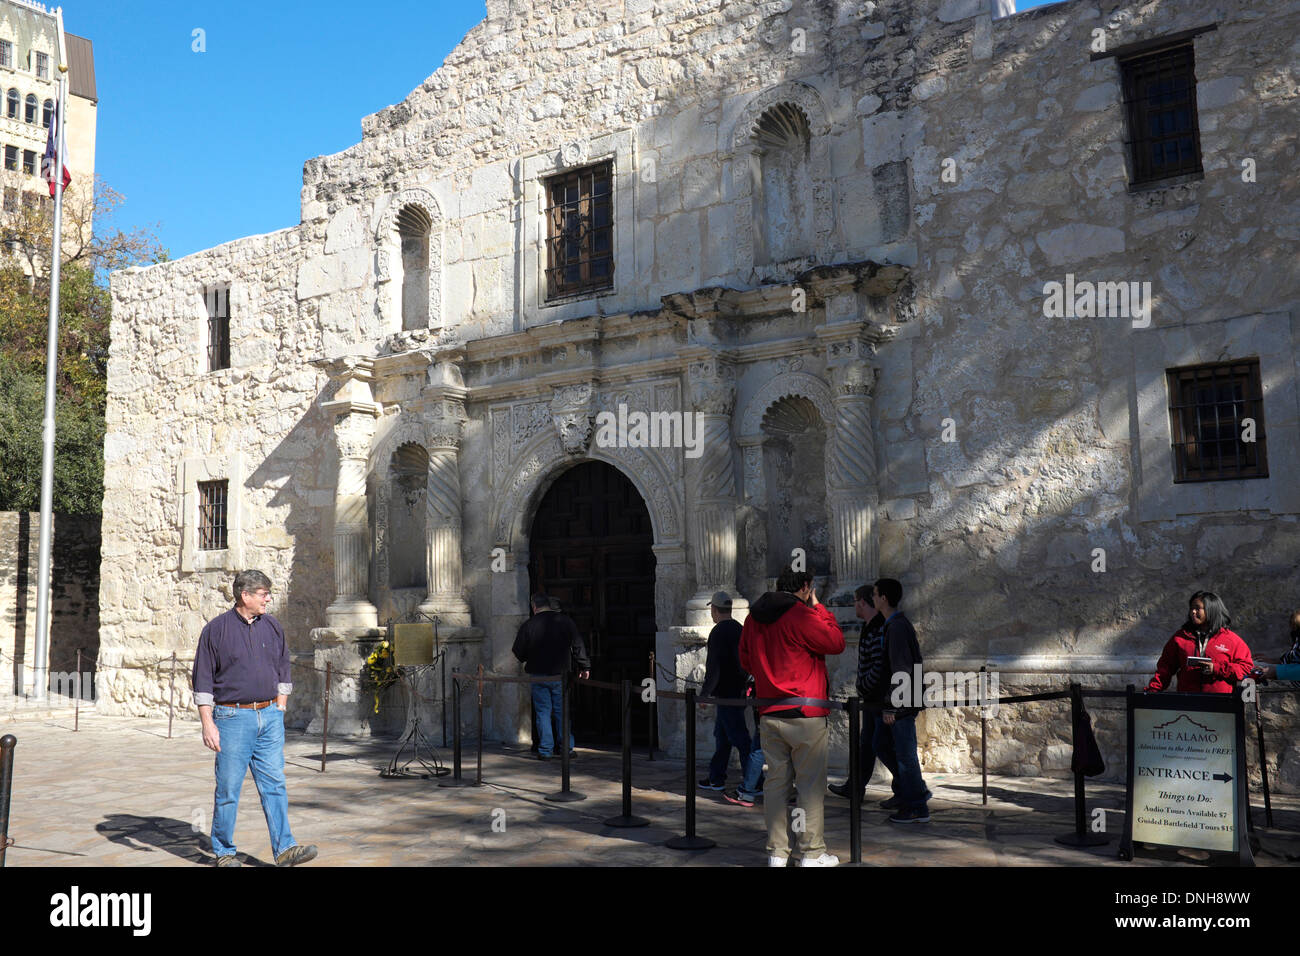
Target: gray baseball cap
x: 721, y: 600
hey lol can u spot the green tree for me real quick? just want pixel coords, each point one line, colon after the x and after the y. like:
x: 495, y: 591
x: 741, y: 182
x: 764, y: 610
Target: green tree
x: 91, y: 248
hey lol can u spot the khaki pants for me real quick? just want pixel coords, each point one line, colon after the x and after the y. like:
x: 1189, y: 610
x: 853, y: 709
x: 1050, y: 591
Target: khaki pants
x: 795, y: 748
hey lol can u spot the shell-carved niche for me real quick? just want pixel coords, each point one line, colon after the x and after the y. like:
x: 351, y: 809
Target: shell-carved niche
x: 409, y: 260
x: 781, y: 178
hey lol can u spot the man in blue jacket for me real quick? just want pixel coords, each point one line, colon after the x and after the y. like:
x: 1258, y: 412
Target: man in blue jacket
x: 241, y: 686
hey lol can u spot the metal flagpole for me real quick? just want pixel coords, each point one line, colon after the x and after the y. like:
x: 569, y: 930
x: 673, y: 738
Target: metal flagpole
x: 41, y: 665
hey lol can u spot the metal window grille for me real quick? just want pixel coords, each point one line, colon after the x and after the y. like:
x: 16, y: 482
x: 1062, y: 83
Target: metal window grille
x: 218, y: 329
x: 43, y: 65
x: 1208, y: 408
x: 6, y: 53
x: 580, y: 231
x: 1160, y: 98
x: 212, y: 515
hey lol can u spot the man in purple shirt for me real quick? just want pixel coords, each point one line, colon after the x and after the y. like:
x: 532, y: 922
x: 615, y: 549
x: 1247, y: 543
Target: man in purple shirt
x: 241, y: 685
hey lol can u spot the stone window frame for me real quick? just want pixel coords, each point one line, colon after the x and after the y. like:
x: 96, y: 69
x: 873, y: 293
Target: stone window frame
x: 212, y: 295
x: 615, y: 148
x: 1140, y: 177
x: 189, y: 472
x: 1241, y: 372
x: 593, y: 173
x: 1274, y: 339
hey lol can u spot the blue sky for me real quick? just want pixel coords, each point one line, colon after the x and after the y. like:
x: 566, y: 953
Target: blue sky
x: 209, y: 146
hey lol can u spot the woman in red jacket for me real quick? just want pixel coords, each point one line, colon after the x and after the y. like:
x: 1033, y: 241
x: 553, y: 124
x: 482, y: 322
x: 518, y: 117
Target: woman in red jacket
x: 1204, y: 634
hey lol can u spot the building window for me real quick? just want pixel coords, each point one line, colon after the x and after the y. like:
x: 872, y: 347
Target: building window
x: 1160, y: 99
x: 580, y: 231
x: 29, y: 200
x: 6, y: 53
x: 30, y: 114
x: 13, y: 99
x: 11, y: 199
x: 11, y: 158
x: 43, y: 65
x: 212, y: 515
x: 47, y: 113
x: 29, y: 162
x: 218, y: 301
x: 1216, y: 415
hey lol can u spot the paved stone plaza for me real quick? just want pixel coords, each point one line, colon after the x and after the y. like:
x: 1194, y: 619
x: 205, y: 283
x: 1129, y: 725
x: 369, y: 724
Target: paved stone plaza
x: 119, y: 793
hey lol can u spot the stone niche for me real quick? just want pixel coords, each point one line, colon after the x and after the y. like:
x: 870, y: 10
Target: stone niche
x: 794, y: 454
x: 783, y: 199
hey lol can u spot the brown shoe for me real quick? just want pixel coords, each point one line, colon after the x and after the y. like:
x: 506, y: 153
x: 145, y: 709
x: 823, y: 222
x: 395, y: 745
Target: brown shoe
x: 228, y: 860
x: 295, y: 855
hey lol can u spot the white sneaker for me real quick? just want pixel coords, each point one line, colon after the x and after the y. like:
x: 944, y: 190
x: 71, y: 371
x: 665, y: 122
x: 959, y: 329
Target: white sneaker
x: 826, y: 859
x: 777, y: 861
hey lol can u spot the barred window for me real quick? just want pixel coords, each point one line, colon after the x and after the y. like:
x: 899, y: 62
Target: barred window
x: 43, y: 65
x: 1160, y: 99
x: 218, y: 301
x: 580, y: 231
x: 212, y: 514
x: 1217, y: 422
x: 6, y: 53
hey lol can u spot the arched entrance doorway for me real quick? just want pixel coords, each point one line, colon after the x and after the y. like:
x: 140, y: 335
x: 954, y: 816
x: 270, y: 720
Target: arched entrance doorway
x: 590, y: 548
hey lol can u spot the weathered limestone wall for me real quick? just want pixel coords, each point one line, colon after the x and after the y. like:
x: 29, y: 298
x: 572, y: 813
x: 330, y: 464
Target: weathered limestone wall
x: 74, y: 598
x: 1059, y: 434
x: 171, y: 423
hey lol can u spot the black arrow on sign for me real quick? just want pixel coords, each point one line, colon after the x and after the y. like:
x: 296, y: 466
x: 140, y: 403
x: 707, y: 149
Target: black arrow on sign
x: 1225, y: 777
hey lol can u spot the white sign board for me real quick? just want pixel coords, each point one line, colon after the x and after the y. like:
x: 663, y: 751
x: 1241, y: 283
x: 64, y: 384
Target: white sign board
x: 1184, y: 786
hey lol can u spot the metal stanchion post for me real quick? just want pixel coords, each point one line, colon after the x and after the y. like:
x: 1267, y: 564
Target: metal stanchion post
x: 690, y: 841
x: 652, y: 710
x: 984, y: 752
x: 77, y: 703
x: 171, y: 692
x: 325, y: 723
x: 1081, y: 837
x: 478, y: 773
x: 855, y: 782
x: 1263, y: 758
x: 565, y: 795
x: 7, y: 744
x: 627, y: 819
x: 455, y: 780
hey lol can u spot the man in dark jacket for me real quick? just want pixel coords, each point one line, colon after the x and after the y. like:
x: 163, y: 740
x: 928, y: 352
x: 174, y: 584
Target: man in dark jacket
x: 895, y: 734
x: 869, y: 683
x: 549, y: 643
x: 784, y: 645
x: 724, y: 677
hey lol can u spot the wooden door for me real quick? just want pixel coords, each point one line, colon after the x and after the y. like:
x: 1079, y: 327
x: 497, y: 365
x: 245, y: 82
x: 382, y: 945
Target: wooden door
x: 590, y: 549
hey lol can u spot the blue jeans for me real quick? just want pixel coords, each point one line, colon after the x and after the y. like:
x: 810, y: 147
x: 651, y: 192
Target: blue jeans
x: 250, y: 739
x: 731, y: 730
x: 896, y: 749
x: 548, y: 702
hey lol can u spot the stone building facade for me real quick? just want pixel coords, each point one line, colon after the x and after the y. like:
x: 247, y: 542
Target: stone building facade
x: 821, y: 234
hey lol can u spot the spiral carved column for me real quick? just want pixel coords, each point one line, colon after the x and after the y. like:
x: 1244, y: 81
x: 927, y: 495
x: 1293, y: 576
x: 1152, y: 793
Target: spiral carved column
x: 852, y: 493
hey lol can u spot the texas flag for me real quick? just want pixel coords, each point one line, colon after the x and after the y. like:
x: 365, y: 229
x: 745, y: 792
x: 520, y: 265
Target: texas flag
x: 51, y: 146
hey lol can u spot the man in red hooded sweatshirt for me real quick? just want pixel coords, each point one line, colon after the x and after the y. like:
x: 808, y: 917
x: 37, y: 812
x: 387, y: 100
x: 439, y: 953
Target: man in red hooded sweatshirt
x: 1204, y: 634
x: 784, y: 645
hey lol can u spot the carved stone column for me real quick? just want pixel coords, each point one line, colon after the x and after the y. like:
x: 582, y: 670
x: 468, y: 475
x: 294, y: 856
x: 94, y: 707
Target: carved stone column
x: 712, y: 380
x: 852, y: 494
x: 354, y: 410
x: 443, y: 414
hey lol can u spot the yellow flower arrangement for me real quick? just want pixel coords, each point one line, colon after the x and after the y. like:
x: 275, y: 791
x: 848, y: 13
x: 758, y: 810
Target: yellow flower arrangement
x: 380, y: 669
